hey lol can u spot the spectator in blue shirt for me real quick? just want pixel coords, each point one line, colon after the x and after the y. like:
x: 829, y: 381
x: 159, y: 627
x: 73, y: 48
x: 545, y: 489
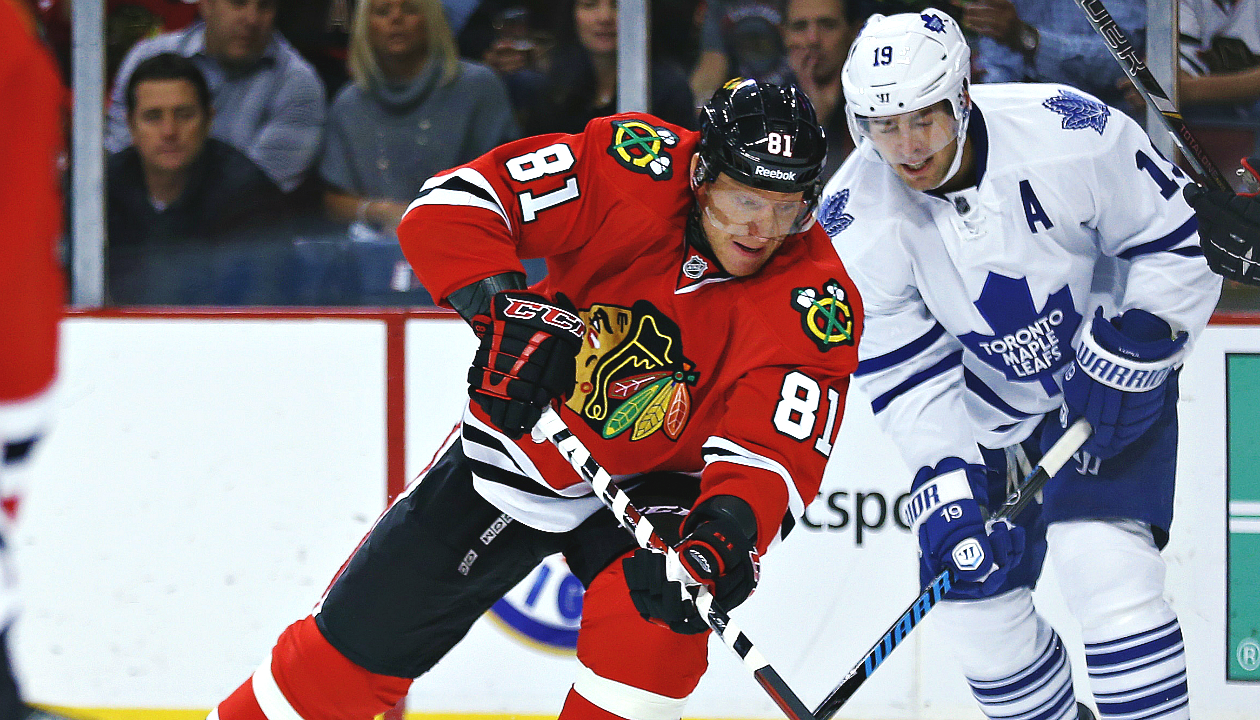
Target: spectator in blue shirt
x: 268, y: 102
x: 1041, y: 41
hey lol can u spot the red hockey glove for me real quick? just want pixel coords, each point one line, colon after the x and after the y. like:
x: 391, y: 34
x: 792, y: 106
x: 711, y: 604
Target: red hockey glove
x: 717, y: 553
x: 527, y: 358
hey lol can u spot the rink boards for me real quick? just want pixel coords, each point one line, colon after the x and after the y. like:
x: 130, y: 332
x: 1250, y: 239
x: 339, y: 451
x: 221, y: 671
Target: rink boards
x: 209, y: 473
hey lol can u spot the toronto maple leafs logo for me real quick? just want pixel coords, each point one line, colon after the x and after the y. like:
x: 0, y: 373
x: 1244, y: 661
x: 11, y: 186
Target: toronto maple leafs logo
x: 1027, y: 344
x: 1079, y: 112
x: 933, y: 22
x: 832, y: 214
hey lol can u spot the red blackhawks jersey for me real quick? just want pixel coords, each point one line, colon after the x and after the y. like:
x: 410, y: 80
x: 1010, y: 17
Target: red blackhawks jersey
x: 739, y: 381
x: 31, y: 286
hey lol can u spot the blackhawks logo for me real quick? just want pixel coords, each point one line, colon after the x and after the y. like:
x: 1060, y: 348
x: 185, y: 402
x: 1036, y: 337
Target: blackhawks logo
x: 632, y: 375
x: 641, y: 147
x: 825, y: 315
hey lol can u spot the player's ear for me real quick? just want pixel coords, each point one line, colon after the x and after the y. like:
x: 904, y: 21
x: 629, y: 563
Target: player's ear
x: 697, y: 171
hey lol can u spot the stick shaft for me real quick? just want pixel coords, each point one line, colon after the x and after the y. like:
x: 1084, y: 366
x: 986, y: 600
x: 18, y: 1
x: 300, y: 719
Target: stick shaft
x: 570, y: 446
x: 1050, y: 464
x: 1125, y: 54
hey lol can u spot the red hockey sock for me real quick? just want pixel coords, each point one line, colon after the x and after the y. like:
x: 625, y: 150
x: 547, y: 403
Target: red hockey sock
x: 240, y: 705
x: 308, y: 679
x: 577, y: 707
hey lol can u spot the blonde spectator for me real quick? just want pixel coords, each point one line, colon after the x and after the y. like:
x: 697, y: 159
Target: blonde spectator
x: 413, y: 108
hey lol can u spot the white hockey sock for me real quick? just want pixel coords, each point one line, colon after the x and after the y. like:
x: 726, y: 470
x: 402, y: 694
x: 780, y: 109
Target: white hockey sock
x: 1013, y: 660
x: 1041, y: 691
x: 1141, y: 676
x: 1112, y: 577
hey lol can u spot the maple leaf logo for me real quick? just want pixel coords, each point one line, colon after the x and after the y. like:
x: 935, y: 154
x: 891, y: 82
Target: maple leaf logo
x: 832, y: 214
x: 1027, y: 344
x: 1078, y: 112
x: 933, y: 23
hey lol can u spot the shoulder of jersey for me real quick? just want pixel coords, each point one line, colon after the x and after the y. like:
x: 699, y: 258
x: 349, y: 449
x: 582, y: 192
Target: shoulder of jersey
x: 1033, y: 119
x: 640, y: 152
x: 861, y: 208
x: 809, y: 301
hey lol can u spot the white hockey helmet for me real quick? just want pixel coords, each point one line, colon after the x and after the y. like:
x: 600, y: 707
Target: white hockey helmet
x: 903, y: 63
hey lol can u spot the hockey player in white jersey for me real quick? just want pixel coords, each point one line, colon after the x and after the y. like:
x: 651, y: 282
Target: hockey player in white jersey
x: 1026, y: 258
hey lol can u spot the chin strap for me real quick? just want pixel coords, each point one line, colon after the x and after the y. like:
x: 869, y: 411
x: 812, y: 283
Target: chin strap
x: 963, y: 125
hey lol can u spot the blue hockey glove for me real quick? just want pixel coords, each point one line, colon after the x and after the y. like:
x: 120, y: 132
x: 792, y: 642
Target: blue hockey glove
x: 953, y: 533
x: 1119, y: 380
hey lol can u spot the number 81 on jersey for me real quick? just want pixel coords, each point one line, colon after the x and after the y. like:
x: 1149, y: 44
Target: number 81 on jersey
x: 800, y: 400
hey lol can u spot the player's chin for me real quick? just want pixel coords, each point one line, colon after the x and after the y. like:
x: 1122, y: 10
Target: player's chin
x: 746, y: 256
x: 921, y: 176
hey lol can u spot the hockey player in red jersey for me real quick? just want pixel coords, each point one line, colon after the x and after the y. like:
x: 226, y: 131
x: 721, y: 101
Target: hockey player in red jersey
x: 31, y: 286
x: 695, y: 330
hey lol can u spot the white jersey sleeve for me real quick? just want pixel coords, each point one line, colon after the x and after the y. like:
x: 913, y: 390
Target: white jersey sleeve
x: 1142, y: 219
x: 910, y: 368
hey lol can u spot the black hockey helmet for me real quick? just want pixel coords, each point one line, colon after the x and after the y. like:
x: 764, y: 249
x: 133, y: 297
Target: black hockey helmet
x: 763, y: 135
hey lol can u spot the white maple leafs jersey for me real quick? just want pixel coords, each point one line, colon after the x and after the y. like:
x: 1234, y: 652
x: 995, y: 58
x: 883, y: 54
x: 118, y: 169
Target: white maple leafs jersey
x: 974, y: 299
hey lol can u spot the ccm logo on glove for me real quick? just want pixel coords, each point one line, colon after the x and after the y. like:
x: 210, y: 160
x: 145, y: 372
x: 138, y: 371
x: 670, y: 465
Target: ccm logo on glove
x: 527, y: 358
x: 558, y: 318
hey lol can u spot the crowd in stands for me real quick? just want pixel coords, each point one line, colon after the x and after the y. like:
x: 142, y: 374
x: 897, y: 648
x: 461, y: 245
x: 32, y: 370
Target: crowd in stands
x: 263, y: 151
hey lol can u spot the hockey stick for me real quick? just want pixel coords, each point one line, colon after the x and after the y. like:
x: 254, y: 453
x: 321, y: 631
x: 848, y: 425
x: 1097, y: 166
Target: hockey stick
x: 552, y: 426
x: 1051, y: 462
x: 1125, y: 54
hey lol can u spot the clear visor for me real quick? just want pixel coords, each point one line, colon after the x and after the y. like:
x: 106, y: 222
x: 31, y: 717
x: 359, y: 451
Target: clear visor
x: 743, y: 211
x: 911, y: 138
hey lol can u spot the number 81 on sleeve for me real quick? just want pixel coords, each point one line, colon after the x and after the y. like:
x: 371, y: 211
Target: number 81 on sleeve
x: 796, y: 413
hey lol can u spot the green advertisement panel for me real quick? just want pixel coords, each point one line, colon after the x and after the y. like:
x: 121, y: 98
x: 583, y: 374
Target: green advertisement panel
x: 1243, y: 545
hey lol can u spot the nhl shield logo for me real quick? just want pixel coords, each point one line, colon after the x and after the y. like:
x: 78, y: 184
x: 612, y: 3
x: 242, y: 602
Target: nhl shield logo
x: 642, y: 148
x: 695, y: 267
x: 825, y: 314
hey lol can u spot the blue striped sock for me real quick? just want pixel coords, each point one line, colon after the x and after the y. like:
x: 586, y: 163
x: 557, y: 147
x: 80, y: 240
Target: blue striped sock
x: 1140, y: 676
x: 1041, y: 691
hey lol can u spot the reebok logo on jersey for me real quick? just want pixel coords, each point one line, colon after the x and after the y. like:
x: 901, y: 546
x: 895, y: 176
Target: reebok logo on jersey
x: 774, y: 174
